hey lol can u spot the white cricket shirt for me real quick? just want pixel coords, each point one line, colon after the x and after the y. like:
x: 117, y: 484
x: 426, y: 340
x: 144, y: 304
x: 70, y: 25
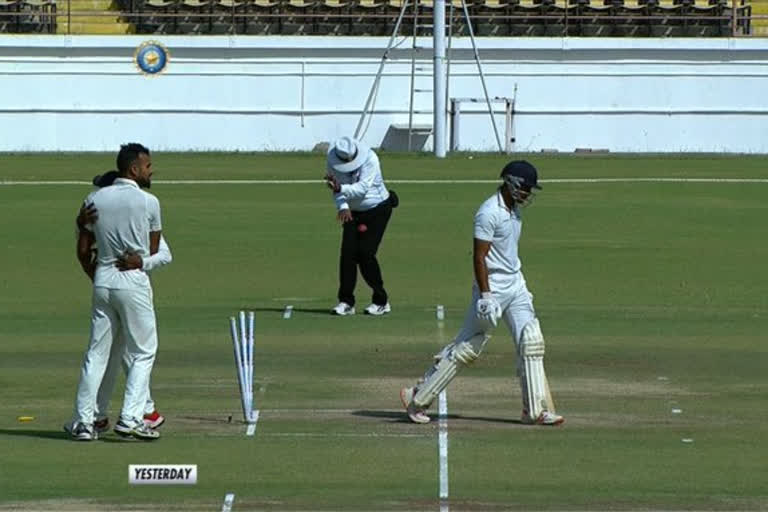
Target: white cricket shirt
x: 361, y: 189
x: 127, y: 215
x: 496, y: 223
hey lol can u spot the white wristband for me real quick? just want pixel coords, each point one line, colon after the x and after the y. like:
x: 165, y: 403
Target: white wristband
x: 486, y: 295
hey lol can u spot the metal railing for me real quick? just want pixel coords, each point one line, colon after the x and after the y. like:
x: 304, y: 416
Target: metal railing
x: 735, y: 19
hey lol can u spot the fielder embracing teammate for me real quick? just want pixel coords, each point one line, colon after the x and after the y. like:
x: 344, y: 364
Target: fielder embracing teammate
x: 128, y: 220
x: 499, y: 291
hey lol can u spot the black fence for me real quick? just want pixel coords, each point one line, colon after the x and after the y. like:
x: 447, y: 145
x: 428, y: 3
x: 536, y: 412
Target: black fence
x: 608, y: 18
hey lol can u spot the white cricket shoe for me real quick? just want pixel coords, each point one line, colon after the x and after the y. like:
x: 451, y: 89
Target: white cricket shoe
x: 376, y: 310
x: 545, y: 418
x: 415, y: 413
x: 81, y: 432
x: 343, y: 309
x: 140, y: 432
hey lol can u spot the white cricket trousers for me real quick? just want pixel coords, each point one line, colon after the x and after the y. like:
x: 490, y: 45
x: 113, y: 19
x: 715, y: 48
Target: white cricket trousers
x: 516, y: 305
x: 126, y: 313
x: 117, y: 358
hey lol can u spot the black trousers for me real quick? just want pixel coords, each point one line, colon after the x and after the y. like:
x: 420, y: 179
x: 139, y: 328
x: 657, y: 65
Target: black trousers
x: 358, y: 249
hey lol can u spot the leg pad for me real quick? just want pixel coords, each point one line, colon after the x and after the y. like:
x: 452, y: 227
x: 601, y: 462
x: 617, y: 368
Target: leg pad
x: 536, y: 393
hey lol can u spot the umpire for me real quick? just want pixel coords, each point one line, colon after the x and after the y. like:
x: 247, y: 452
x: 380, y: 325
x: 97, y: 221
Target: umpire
x: 364, y: 207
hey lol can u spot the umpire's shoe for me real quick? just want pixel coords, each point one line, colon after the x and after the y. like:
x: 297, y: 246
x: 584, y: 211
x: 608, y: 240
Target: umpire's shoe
x: 378, y: 310
x: 343, y: 309
x: 140, y: 432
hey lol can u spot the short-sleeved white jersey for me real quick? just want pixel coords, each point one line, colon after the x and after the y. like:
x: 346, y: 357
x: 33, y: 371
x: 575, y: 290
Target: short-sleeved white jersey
x: 127, y: 215
x: 496, y: 223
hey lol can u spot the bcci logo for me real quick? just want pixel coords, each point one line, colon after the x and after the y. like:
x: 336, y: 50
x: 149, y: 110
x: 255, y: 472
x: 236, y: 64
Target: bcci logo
x: 151, y: 57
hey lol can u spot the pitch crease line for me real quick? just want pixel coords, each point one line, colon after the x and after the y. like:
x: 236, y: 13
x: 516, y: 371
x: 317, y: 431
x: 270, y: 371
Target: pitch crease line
x: 229, y: 499
x: 442, y: 434
x: 345, y: 435
x: 443, y: 449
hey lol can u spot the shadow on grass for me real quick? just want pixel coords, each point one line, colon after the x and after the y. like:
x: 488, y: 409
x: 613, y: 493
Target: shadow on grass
x: 210, y: 419
x: 63, y: 436
x: 40, y: 434
x: 400, y: 417
x: 391, y: 416
x: 311, y: 311
x: 487, y: 419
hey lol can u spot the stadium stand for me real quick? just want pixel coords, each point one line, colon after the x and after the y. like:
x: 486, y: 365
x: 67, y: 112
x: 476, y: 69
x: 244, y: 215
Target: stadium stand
x: 88, y: 17
x: 760, y: 26
x: 28, y: 16
x: 10, y: 18
x: 584, y: 18
x: 158, y: 17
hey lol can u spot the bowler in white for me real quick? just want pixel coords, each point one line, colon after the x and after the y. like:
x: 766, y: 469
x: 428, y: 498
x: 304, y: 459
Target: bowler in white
x: 129, y: 261
x: 129, y: 222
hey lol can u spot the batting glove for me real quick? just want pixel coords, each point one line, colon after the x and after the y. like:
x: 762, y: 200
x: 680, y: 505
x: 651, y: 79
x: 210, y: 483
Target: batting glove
x: 488, y: 309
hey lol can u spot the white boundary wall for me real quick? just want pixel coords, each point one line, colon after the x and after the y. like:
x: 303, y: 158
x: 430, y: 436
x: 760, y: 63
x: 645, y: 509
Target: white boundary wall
x: 72, y: 93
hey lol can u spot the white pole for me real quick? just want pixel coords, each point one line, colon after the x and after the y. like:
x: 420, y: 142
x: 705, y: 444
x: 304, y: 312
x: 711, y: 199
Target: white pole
x: 439, y: 134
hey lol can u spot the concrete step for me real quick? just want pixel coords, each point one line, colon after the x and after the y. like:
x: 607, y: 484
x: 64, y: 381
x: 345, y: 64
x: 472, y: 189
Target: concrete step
x: 89, y: 20
x: 86, y: 5
x: 92, y: 28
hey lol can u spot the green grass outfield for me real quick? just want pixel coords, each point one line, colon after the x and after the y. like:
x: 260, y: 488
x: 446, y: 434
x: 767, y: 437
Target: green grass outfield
x: 652, y: 297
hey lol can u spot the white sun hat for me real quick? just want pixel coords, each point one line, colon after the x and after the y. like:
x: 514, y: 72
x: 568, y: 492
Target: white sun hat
x: 347, y: 154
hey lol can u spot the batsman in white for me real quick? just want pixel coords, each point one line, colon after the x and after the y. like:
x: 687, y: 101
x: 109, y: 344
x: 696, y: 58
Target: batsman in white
x: 129, y: 220
x: 118, y: 357
x: 499, y: 292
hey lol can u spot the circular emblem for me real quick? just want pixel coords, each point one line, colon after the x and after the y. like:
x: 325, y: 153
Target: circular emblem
x: 151, y: 57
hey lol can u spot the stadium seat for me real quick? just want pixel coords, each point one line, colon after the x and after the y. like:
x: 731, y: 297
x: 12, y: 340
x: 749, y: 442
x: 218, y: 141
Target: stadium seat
x: 396, y: 5
x: 372, y: 6
x: 265, y: 17
x: 746, y: 25
x: 152, y: 19
x: 555, y: 14
x: 392, y: 10
x: 268, y: 5
x: 160, y: 4
x: 368, y: 20
x: 301, y: 4
x: 587, y: 18
x: 41, y: 16
x: 667, y: 14
x: 492, y: 17
x: 458, y: 22
x: 10, y: 17
x: 231, y: 19
x: 596, y: 18
x: 633, y: 21
x: 199, y: 17
x: 301, y: 19
x: 336, y: 17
